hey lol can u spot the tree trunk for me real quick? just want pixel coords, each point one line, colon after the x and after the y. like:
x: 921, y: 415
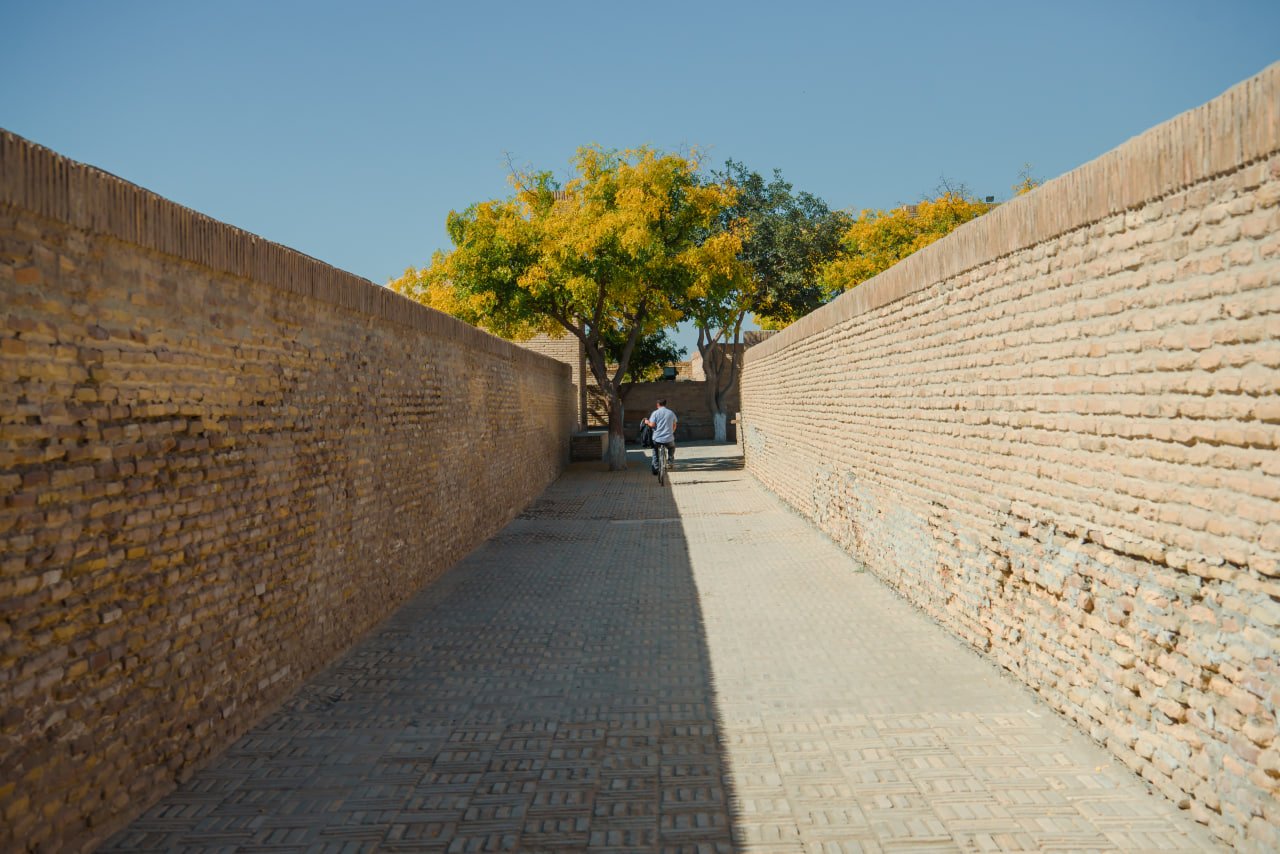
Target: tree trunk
x: 615, y: 452
x: 713, y: 365
x: 720, y: 362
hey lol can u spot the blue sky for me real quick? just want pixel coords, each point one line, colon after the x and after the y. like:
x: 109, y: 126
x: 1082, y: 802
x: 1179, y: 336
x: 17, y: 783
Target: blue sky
x: 348, y: 131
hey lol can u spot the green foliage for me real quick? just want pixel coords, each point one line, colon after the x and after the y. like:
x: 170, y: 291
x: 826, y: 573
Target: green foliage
x: 789, y: 236
x: 783, y: 239
x: 651, y: 354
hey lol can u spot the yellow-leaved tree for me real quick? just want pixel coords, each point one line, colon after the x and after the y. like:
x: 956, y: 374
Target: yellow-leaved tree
x: 609, y: 256
x: 879, y: 239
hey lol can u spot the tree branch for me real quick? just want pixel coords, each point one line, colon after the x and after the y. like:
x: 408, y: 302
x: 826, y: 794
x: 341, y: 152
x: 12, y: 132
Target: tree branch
x: 597, y: 316
x: 733, y: 362
x: 637, y: 321
x: 562, y: 317
x: 516, y: 177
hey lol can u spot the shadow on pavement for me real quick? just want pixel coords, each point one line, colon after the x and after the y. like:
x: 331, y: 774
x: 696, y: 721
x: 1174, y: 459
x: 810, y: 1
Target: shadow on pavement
x: 685, y: 462
x: 552, y: 692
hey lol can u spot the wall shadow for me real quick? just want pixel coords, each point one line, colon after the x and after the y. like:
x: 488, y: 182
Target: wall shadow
x: 687, y: 464
x: 709, y: 464
x: 552, y: 692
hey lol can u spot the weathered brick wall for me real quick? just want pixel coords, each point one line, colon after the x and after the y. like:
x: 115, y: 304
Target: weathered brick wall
x: 568, y: 349
x: 1057, y: 430
x: 220, y: 463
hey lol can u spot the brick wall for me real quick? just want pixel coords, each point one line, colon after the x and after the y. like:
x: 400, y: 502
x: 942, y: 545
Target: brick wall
x: 1056, y: 431
x: 593, y: 405
x: 220, y: 463
x: 687, y: 399
x: 568, y: 349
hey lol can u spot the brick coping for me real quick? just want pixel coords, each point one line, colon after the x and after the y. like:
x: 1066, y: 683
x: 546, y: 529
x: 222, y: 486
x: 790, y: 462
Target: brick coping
x: 1240, y: 126
x: 49, y: 185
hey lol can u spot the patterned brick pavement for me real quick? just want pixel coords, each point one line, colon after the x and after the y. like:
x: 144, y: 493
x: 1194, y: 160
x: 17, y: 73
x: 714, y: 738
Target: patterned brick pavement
x: 631, y: 668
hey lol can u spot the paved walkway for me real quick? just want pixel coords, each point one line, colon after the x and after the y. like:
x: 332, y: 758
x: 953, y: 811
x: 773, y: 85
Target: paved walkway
x: 631, y: 668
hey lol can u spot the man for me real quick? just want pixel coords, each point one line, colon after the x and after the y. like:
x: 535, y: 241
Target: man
x: 663, y: 422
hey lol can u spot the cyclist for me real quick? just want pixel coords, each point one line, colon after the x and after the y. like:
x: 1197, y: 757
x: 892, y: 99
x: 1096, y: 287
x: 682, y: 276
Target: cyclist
x: 663, y: 422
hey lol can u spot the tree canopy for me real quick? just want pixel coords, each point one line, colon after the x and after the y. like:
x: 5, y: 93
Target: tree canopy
x: 878, y: 239
x: 611, y: 254
x: 782, y: 239
x: 637, y: 240
x: 1026, y: 181
x: 650, y: 355
x: 789, y: 236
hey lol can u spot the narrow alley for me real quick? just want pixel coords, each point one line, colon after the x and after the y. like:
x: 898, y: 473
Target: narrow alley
x: 632, y: 668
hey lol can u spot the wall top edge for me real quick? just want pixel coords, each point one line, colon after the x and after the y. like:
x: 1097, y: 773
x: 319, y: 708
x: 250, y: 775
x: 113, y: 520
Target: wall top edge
x: 42, y: 182
x: 1238, y: 127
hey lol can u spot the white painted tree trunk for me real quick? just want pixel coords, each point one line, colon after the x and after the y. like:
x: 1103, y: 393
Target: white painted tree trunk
x: 615, y: 452
x: 721, y: 422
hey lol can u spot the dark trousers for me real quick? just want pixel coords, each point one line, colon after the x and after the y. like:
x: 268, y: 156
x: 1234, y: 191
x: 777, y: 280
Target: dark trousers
x: 671, y: 452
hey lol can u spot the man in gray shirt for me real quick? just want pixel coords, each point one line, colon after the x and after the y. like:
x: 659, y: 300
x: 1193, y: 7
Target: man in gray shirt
x: 663, y: 422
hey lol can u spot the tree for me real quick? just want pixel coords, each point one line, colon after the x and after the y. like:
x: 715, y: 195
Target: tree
x: 605, y: 257
x: 1026, y: 181
x: 784, y: 238
x: 651, y: 354
x: 878, y: 239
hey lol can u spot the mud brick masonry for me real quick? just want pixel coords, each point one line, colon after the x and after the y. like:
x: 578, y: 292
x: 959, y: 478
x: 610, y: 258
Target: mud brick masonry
x: 221, y: 462
x: 1058, y: 432
x: 569, y: 350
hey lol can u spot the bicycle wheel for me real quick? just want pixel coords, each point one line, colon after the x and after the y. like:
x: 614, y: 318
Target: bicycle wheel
x: 662, y: 466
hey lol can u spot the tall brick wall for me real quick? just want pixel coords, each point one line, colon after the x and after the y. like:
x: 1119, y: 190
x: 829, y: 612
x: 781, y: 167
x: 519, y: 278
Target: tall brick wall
x: 220, y: 463
x: 568, y: 349
x: 1057, y: 431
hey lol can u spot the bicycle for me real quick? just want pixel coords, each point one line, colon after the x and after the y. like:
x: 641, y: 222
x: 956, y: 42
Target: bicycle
x: 663, y: 464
